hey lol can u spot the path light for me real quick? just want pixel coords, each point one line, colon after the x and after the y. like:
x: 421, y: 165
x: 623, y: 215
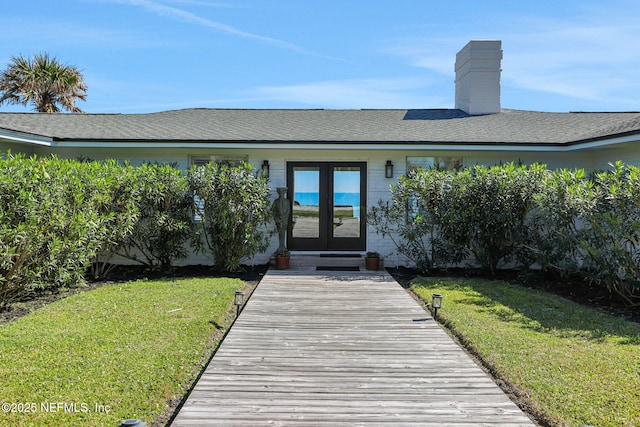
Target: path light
x: 133, y: 423
x: 436, y: 303
x: 238, y: 301
x: 265, y: 168
x: 388, y: 169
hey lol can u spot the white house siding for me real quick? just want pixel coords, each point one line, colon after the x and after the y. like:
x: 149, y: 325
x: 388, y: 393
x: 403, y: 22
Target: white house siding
x: 628, y: 153
x: 135, y: 156
x: 16, y: 148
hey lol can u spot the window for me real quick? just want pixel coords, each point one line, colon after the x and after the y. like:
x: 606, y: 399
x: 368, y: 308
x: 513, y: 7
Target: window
x: 442, y: 162
x: 231, y: 161
x: 223, y: 160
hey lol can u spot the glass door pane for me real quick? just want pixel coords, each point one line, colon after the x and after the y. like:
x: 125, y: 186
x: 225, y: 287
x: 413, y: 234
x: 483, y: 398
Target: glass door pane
x: 326, y: 199
x: 346, y: 202
x: 306, y: 202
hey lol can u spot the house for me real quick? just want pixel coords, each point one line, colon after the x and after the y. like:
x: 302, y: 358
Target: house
x: 336, y: 163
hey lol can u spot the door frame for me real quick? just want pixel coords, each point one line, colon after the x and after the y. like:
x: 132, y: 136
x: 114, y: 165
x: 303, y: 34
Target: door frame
x: 326, y: 241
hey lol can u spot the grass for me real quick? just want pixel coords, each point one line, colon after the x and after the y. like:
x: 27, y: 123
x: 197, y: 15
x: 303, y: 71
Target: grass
x: 117, y: 352
x: 571, y: 365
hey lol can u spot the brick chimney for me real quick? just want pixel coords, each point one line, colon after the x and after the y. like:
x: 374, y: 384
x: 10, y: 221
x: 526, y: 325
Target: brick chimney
x: 478, y: 77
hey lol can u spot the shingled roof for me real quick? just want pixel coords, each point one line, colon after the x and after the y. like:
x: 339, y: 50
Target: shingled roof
x: 429, y: 126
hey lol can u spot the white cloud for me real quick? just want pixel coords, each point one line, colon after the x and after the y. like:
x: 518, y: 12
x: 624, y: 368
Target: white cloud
x: 589, y: 62
x: 591, y: 57
x: 435, y: 54
x: 192, y: 18
x: 355, y: 93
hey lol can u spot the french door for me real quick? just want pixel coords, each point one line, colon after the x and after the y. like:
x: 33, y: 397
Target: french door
x: 328, y: 205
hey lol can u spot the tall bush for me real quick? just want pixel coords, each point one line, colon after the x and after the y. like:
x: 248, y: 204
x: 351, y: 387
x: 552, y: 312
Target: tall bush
x: 560, y: 221
x: 233, y: 204
x: 562, y: 206
x: 485, y: 209
x: 412, y: 217
x: 612, y: 235
x: 53, y: 222
x: 120, y: 208
x: 165, y: 225
x: 440, y: 217
x: 22, y: 183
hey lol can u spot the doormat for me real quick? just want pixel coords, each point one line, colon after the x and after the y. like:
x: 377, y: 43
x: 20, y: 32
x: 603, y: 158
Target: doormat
x: 340, y: 256
x: 337, y: 268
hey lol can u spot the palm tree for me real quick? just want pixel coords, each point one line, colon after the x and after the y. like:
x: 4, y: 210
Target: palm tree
x: 43, y: 82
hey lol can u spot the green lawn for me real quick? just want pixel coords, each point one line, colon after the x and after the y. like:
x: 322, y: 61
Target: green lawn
x: 573, y: 365
x: 117, y: 352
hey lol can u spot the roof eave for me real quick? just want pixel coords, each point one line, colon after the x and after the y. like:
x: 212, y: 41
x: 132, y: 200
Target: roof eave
x: 340, y: 145
x: 25, y: 138
x: 316, y: 145
x: 603, y: 141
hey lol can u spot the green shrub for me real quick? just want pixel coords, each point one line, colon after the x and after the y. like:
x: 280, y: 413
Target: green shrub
x: 166, y: 223
x: 563, y: 204
x: 611, y: 237
x: 438, y: 217
x: 412, y: 218
x: 21, y: 183
x: 560, y: 221
x: 54, y: 219
x: 233, y: 204
x: 484, y: 211
x: 122, y: 209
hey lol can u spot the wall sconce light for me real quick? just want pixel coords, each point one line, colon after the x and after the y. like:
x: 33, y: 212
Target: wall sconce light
x: 388, y: 169
x: 436, y: 303
x: 238, y: 301
x: 265, y: 168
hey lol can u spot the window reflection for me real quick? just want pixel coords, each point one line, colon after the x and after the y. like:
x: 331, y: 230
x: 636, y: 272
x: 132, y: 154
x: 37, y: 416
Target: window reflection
x: 306, y: 202
x: 346, y: 201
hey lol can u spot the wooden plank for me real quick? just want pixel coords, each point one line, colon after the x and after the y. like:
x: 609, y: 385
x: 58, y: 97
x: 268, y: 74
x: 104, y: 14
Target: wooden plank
x: 342, y: 348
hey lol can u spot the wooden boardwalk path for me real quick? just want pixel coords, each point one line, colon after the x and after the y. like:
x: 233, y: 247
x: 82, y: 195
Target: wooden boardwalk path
x: 342, y: 348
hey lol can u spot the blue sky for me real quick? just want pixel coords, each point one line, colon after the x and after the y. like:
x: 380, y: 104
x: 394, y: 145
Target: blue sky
x: 151, y: 55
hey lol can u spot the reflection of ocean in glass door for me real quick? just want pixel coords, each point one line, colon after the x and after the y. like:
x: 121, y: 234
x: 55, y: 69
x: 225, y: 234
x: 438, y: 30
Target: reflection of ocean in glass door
x: 346, y: 202
x: 326, y: 200
x: 340, y: 199
x: 306, y: 201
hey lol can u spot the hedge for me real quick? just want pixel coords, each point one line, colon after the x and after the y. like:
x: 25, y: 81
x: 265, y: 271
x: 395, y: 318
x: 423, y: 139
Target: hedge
x: 60, y: 219
x: 55, y: 217
x: 562, y: 221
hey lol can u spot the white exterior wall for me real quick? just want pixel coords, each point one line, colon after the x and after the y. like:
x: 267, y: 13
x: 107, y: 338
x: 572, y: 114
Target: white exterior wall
x: 16, y: 148
x: 628, y: 153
